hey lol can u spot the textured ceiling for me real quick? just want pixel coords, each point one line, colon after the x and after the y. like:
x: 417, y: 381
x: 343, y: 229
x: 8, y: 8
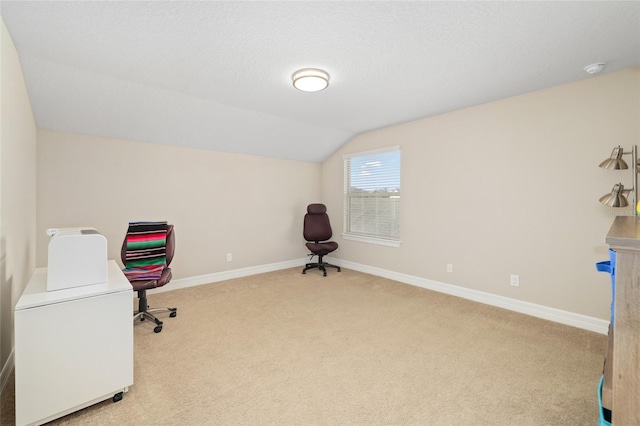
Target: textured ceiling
x: 217, y: 75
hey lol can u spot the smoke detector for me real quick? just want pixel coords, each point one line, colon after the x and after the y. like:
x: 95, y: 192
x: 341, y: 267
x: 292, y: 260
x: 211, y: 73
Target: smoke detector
x: 595, y: 68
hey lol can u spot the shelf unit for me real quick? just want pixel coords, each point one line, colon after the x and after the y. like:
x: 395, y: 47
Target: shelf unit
x: 621, y: 388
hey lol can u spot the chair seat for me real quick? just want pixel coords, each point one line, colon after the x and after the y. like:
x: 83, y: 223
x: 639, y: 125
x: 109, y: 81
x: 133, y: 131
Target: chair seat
x: 149, y: 284
x: 322, y: 248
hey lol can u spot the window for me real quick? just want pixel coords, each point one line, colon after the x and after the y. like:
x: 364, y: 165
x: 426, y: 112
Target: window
x: 372, y: 196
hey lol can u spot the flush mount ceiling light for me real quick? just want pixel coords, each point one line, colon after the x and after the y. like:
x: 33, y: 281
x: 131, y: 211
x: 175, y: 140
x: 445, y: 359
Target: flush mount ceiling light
x: 595, y: 68
x: 310, y: 79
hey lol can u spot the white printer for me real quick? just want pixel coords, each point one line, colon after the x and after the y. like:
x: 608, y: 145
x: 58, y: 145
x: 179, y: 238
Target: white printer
x: 77, y: 257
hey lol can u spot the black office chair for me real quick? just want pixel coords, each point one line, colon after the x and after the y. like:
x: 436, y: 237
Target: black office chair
x: 317, y: 230
x: 142, y: 285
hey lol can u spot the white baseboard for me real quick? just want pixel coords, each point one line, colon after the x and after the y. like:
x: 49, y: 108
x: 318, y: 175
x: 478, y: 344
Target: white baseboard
x: 7, y: 368
x: 552, y: 314
x: 557, y: 315
x: 229, y: 275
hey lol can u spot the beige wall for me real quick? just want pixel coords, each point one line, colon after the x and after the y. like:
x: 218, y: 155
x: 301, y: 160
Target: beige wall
x: 473, y: 183
x: 508, y: 187
x: 219, y: 202
x: 17, y: 194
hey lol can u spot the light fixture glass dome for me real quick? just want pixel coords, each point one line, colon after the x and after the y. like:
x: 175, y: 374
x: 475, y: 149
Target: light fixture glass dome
x: 310, y: 79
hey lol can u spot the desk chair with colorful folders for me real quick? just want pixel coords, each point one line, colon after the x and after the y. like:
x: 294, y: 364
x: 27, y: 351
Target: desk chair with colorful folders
x: 147, y: 252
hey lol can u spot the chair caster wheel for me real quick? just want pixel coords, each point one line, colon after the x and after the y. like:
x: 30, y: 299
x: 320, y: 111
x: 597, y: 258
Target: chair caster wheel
x: 141, y: 318
x: 324, y: 274
x: 173, y: 314
x: 339, y: 270
x: 304, y: 272
x: 117, y: 397
x: 158, y: 329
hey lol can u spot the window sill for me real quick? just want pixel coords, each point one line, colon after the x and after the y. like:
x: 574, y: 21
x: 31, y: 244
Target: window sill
x: 371, y: 240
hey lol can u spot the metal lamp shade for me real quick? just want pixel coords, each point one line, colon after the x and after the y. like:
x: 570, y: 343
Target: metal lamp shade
x: 615, y: 162
x: 616, y: 198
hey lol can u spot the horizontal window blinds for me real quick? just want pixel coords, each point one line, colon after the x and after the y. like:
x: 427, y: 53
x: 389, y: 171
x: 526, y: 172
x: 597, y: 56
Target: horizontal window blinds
x: 372, y: 194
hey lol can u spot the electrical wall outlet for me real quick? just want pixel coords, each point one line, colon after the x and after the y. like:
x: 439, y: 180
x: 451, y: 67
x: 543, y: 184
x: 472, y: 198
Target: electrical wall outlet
x: 449, y: 267
x: 229, y: 257
x: 515, y: 280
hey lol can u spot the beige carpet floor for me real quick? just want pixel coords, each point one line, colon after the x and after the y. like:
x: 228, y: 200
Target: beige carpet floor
x: 284, y: 348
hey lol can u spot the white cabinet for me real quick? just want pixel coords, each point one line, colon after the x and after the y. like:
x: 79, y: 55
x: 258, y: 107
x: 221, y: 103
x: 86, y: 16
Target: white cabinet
x: 73, y: 347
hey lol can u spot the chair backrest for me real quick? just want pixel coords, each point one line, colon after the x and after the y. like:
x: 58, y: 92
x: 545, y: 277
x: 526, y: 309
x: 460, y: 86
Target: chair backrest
x: 170, y: 246
x: 316, y: 223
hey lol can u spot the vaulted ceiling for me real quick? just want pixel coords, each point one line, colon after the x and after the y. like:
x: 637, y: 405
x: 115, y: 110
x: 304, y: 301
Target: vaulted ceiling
x: 217, y: 75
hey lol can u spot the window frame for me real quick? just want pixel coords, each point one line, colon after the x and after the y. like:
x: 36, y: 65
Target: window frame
x: 361, y: 237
